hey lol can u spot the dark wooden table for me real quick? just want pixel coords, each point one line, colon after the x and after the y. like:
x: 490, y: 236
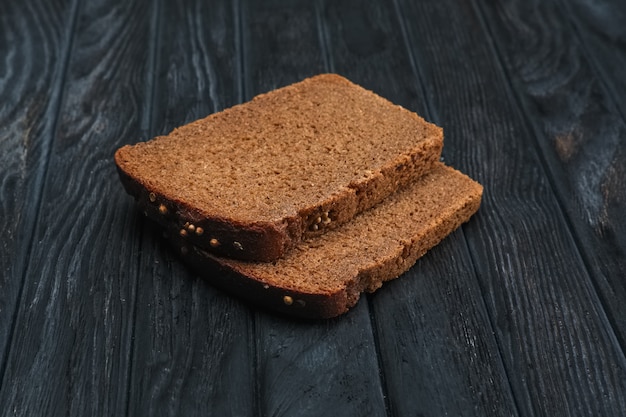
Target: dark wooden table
x: 521, y: 312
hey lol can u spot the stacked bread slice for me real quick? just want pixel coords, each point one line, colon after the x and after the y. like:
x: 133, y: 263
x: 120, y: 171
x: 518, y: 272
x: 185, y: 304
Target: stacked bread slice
x: 304, y: 197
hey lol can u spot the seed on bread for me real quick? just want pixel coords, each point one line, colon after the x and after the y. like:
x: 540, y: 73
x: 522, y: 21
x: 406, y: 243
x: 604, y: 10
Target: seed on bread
x: 162, y: 209
x: 288, y: 300
x: 200, y: 232
x: 152, y: 197
x: 214, y: 243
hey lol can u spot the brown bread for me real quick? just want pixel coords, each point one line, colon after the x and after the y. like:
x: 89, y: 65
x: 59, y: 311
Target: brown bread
x: 324, y: 276
x: 252, y: 181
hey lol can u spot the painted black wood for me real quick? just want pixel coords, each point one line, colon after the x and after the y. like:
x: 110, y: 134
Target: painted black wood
x: 581, y: 132
x: 518, y: 313
x: 549, y: 321
x: 69, y: 354
x: 599, y: 26
x: 34, y: 44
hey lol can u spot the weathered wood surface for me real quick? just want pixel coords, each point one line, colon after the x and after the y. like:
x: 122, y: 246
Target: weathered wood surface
x: 70, y: 351
x: 30, y: 86
x: 548, y: 318
x: 571, y: 96
x: 519, y: 312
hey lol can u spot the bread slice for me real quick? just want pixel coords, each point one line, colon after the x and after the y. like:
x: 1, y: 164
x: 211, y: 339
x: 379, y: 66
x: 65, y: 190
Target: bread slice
x: 252, y: 181
x: 323, y: 277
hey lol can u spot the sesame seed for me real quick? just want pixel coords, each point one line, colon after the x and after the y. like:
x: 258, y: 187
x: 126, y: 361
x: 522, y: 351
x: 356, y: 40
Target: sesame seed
x: 237, y: 245
x: 199, y: 231
x: 162, y: 209
x: 183, y: 232
x: 152, y: 197
x: 214, y: 243
x: 288, y: 300
x: 191, y: 227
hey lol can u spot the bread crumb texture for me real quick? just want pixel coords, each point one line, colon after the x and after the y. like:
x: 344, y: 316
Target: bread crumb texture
x: 281, y: 153
x: 378, y: 245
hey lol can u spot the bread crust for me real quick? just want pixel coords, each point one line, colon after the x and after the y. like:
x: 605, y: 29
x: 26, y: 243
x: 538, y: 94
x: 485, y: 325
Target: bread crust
x: 260, y: 241
x: 270, y: 239
x: 254, y: 290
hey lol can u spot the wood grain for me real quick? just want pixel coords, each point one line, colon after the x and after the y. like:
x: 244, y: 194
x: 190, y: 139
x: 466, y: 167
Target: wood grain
x: 433, y: 330
x: 599, y: 26
x: 313, y: 368
x: 34, y: 46
x: 518, y: 313
x: 550, y: 325
x: 194, y: 350
x: 436, y: 339
x: 581, y: 134
x: 304, y: 368
x: 71, y: 348
x: 580, y: 131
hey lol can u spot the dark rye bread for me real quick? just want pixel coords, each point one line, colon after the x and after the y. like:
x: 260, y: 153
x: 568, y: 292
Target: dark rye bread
x: 252, y: 181
x: 324, y: 276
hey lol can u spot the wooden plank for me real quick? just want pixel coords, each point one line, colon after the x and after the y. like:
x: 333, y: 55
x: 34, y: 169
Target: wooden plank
x: 599, y: 25
x: 34, y: 44
x: 438, y: 351
x: 579, y: 129
x: 304, y: 367
x: 193, y: 351
x: 71, y: 348
x: 558, y: 348
x: 583, y: 138
x: 435, y: 340
x: 312, y: 368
